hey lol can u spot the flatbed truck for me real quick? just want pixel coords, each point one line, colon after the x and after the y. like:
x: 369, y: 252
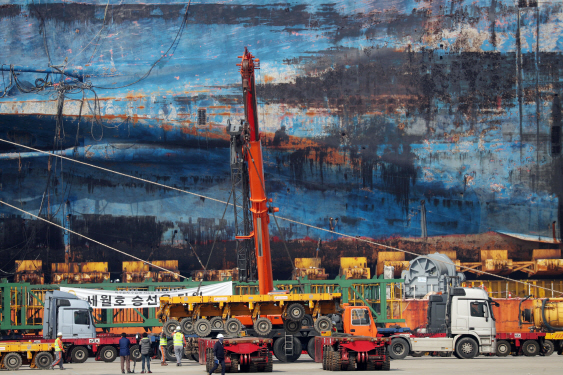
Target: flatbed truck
x: 65, y: 313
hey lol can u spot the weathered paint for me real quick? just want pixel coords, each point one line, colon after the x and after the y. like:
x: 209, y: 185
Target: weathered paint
x: 367, y: 108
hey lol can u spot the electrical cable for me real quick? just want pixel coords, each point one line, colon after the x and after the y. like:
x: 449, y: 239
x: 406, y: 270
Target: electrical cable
x: 213, y: 246
x: 178, y: 35
x: 115, y: 172
x: 281, y: 217
x: 90, y: 239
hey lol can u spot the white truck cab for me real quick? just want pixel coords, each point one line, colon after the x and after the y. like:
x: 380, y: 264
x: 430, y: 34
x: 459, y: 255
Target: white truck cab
x: 461, y: 322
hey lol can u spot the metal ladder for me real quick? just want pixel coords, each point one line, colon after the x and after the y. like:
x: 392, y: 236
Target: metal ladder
x: 288, y: 345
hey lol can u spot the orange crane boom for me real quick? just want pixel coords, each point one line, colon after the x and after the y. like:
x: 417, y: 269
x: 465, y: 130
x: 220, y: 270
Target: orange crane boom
x: 252, y: 154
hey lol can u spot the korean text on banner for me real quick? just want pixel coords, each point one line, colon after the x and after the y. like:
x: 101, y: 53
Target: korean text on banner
x: 128, y: 299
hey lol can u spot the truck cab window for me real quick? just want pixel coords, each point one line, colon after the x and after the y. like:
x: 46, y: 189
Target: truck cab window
x: 360, y: 317
x: 478, y: 309
x: 82, y: 317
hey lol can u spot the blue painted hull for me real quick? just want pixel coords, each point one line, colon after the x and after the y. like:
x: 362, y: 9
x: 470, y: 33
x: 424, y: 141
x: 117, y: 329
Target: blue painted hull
x: 367, y: 108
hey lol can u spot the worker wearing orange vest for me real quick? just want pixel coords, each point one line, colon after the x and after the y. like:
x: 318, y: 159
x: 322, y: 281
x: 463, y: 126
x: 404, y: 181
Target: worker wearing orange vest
x: 59, y: 350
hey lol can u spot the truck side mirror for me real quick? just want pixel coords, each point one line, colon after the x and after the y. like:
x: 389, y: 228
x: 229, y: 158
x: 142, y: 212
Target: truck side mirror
x: 486, y: 313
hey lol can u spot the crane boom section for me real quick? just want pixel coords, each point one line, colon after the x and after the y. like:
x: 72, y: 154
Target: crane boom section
x: 253, y: 156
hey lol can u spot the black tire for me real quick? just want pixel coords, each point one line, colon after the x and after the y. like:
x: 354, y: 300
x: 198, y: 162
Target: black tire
x: 295, y: 312
x: 136, y: 353
x: 387, y: 362
x: 169, y: 352
x: 269, y: 365
x: 416, y: 354
x: 108, y: 353
x: 311, y: 347
x: 336, y: 360
x: 279, y: 350
x: 503, y: 348
x: 12, y: 361
x: 351, y: 362
x: 548, y: 348
x: 170, y: 326
x: 399, y: 348
x: 43, y: 360
x: 263, y: 326
x: 324, y: 323
x: 530, y: 348
x: 291, y: 326
x: 216, y: 323
x: 234, y: 365
x: 233, y: 326
x: 202, y: 327
x: 307, y: 321
x: 79, y: 354
x: 186, y: 326
x: 467, y: 348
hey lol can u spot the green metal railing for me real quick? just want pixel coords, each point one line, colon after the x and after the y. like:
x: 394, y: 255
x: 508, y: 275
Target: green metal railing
x: 22, y: 303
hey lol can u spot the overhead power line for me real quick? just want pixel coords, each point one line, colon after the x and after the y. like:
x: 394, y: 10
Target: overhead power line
x: 90, y: 239
x: 228, y: 203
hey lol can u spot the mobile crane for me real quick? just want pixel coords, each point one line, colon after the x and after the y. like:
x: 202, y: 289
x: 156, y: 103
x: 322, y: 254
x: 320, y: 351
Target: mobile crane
x: 199, y: 314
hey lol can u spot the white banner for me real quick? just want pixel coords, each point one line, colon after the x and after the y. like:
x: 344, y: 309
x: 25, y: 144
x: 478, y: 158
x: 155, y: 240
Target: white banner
x: 129, y: 299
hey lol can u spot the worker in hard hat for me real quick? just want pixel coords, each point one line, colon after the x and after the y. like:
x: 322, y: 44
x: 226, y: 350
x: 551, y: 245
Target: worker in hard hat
x: 163, y: 344
x: 219, y: 354
x: 59, y: 350
x: 179, y: 342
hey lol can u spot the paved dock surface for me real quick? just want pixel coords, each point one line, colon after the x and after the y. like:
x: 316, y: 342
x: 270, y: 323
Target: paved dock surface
x: 420, y: 366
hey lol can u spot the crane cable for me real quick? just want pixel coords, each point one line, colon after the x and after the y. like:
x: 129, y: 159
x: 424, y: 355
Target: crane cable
x: 91, y: 239
x: 365, y: 240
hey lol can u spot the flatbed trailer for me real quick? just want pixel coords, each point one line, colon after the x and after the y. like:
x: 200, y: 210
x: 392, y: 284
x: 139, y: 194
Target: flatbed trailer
x: 15, y: 354
x: 105, y: 347
x: 516, y: 343
x: 192, y: 313
x: 246, y: 354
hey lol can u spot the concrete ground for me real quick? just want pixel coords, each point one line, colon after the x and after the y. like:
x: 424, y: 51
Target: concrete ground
x: 419, y: 366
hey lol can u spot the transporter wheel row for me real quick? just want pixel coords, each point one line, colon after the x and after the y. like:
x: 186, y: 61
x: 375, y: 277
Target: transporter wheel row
x: 235, y: 364
x: 530, y: 348
x: 332, y: 361
x: 295, y: 319
x: 13, y: 361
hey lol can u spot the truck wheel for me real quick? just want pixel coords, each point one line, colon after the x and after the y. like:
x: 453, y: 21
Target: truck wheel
x: 295, y: 312
x: 307, y: 321
x: 234, y: 365
x: 79, y: 354
x: 170, y: 326
x: 279, y: 350
x: 202, y: 327
x: 399, y: 348
x: 291, y: 326
x: 270, y: 365
x: 136, y: 353
x: 311, y: 347
x: 323, y: 324
x: 351, y: 362
x: 186, y: 326
x: 263, y: 326
x: 548, y: 348
x: 233, y: 326
x: 387, y: 363
x: 466, y: 348
x: 503, y: 348
x: 216, y: 322
x: 169, y: 353
x: 416, y: 354
x: 12, y: 361
x: 108, y: 353
x: 530, y: 348
x: 43, y: 360
x: 336, y: 362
